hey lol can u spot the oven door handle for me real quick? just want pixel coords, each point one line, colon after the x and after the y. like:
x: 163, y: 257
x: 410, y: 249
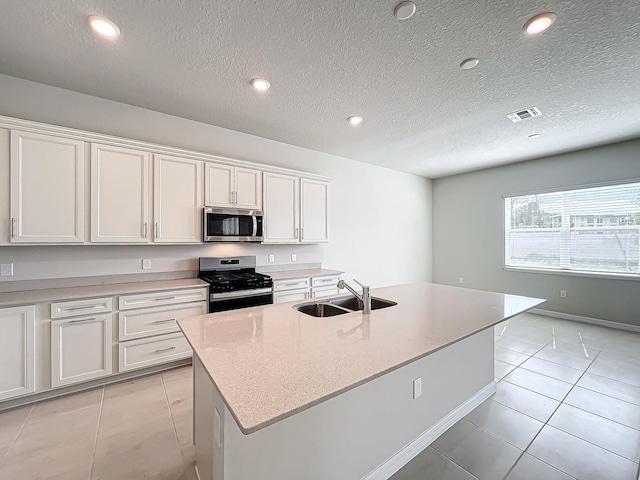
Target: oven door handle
x: 216, y: 297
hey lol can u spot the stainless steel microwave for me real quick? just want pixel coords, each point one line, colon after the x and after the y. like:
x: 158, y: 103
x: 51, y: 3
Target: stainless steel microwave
x: 231, y: 225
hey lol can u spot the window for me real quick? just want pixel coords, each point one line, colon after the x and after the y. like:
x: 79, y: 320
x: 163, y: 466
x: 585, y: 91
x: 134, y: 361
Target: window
x: 591, y: 229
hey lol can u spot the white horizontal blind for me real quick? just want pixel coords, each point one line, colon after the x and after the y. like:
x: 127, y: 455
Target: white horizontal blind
x: 594, y: 229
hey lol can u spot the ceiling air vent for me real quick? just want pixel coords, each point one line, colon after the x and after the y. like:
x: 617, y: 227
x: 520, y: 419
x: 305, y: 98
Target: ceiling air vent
x: 524, y: 114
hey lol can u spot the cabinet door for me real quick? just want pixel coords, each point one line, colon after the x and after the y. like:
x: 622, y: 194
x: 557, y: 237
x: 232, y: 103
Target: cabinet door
x: 119, y: 195
x: 17, y: 351
x: 290, y: 296
x: 47, y: 189
x: 281, y: 208
x: 219, y: 185
x: 248, y: 189
x: 177, y: 200
x: 314, y: 209
x: 80, y: 349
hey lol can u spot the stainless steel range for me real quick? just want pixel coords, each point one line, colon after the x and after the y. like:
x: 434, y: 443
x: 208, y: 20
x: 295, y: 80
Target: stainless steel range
x: 234, y: 283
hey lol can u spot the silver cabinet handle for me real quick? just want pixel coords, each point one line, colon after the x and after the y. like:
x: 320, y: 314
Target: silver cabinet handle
x: 13, y: 227
x: 158, y: 322
x: 82, y: 308
x: 155, y: 232
x: 160, y: 350
x: 302, y: 233
x: 144, y: 230
x: 296, y: 233
x: 82, y: 320
x: 163, y: 298
x: 303, y: 284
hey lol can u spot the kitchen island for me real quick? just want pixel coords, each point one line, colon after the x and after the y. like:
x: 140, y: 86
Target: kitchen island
x: 284, y: 395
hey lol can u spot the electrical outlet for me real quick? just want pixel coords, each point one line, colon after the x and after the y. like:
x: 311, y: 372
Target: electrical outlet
x: 146, y: 264
x: 460, y: 280
x: 563, y: 294
x: 417, y: 387
x: 272, y: 258
x: 294, y: 257
x: 6, y: 270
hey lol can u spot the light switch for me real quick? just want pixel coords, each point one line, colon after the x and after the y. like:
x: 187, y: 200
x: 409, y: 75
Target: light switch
x: 6, y: 270
x: 146, y: 264
x: 417, y: 387
x: 294, y: 257
x: 272, y: 258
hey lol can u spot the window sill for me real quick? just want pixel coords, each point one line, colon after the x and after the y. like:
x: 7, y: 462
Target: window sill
x: 574, y: 273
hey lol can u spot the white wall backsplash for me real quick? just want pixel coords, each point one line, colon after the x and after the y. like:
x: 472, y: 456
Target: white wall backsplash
x: 380, y: 219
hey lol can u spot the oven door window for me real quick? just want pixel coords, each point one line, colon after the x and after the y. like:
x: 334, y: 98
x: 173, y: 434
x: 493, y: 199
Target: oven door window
x: 224, y: 225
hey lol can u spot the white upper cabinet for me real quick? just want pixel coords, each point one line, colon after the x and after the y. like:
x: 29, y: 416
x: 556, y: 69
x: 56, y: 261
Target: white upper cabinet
x: 314, y: 211
x: 281, y: 208
x: 17, y: 351
x: 296, y: 210
x: 232, y: 187
x: 119, y: 195
x: 248, y: 188
x: 47, y: 189
x: 177, y: 200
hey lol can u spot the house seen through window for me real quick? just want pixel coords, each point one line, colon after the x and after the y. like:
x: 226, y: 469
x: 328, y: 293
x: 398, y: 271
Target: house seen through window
x: 592, y: 229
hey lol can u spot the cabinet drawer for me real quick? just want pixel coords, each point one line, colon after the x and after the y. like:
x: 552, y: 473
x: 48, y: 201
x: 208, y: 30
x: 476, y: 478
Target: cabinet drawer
x: 281, y: 285
x: 166, y: 297
x: 325, y: 281
x: 324, y: 291
x: 76, y: 308
x: 155, y: 321
x: 152, y: 351
x: 291, y: 295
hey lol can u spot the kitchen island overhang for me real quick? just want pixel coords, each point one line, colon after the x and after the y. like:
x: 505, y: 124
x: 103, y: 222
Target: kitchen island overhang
x: 280, y: 394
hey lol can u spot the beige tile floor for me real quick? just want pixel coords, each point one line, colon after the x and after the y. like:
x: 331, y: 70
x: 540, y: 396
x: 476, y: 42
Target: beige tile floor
x: 567, y: 406
x: 139, y: 429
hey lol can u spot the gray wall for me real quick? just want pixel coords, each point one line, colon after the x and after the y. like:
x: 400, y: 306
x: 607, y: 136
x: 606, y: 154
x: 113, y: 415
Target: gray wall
x: 369, y: 205
x: 468, y: 231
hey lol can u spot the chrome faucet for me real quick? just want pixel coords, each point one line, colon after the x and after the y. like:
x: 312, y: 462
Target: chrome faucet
x: 365, y: 298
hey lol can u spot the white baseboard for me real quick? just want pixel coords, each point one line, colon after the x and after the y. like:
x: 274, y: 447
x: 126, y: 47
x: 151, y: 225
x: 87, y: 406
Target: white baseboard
x: 426, y: 438
x: 593, y: 321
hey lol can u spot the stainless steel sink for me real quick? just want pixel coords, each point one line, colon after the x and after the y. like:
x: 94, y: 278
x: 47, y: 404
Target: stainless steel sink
x: 353, y: 303
x: 340, y: 306
x: 320, y: 309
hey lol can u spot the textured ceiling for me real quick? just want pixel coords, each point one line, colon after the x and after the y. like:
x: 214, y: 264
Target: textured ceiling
x: 329, y: 59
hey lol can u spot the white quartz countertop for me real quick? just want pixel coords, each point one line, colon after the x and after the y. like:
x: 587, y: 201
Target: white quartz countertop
x: 271, y: 362
x: 72, y: 293
x: 313, y: 272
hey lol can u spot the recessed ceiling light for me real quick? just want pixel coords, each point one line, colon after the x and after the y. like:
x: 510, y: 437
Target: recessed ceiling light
x: 469, y: 63
x: 534, y: 135
x: 104, y: 27
x: 404, y: 10
x: 260, y: 84
x: 539, y: 23
x: 354, y: 119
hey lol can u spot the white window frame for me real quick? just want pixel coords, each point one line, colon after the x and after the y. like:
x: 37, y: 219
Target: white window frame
x: 565, y: 268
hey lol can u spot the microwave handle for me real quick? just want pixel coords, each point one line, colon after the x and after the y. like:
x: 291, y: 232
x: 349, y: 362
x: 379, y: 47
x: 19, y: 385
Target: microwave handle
x: 255, y: 225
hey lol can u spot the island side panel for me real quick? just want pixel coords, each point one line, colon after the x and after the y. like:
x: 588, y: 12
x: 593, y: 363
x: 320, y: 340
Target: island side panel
x: 206, y: 402
x: 350, y: 435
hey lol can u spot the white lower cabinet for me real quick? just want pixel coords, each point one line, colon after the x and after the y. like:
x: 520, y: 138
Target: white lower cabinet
x: 153, y: 351
x: 304, y: 288
x: 17, y: 351
x: 156, y: 321
x: 147, y: 328
x: 290, y: 295
x: 81, y: 349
